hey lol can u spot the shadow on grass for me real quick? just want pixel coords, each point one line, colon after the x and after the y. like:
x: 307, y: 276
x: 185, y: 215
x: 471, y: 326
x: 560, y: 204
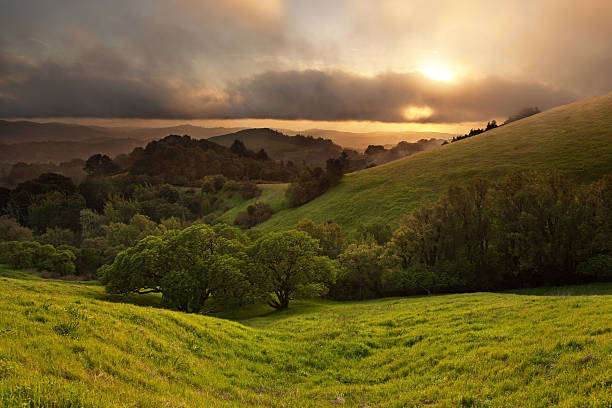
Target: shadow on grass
x: 150, y: 300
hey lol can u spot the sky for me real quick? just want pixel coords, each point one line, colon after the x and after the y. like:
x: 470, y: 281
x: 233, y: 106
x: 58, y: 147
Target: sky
x: 342, y: 64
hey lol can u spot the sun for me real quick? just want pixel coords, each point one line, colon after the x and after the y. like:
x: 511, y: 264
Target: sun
x: 437, y: 74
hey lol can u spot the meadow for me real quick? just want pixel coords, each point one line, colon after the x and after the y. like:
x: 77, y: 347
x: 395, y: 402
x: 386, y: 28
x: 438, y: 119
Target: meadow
x: 573, y: 139
x: 69, y: 344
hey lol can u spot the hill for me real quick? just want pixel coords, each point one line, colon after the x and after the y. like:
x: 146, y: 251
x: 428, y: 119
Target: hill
x: 30, y: 142
x: 62, y: 151
x: 299, y: 149
x: 360, y: 141
x: 182, y: 160
x: 66, y: 344
x: 576, y: 139
x: 27, y: 131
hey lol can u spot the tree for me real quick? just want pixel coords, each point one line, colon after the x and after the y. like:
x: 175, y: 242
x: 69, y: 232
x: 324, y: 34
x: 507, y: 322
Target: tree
x: 10, y: 230
x: 58, y: 236
x: 255, y: 214
x: 125, y: 235
x: 56, y: 209
x: 287, y: 264
x: 362, y: 270
x: 100, y: 165
x: 329, y: 234
x: 378, y: 228
x: 187, y: 267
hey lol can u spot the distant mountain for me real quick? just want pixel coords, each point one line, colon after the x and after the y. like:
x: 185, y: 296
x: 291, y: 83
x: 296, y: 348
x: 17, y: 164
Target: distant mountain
x: 299, y: 149
x: 360, y: 141
x: 25, y: 131
x: 62, y: 151
x: 31, y: 142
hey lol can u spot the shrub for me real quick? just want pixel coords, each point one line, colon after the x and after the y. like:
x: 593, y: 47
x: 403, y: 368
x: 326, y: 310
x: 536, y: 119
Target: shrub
x: 598, y: 267
x: 255, y: 214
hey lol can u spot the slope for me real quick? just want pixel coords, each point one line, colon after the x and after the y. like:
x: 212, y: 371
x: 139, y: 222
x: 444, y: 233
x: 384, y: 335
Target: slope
x: 282, y: 147
x: 360, y: 141
x: 576, y: 139
x: 71, y: 345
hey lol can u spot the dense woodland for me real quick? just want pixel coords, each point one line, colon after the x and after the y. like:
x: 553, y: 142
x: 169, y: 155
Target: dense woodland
x: 528, y: 229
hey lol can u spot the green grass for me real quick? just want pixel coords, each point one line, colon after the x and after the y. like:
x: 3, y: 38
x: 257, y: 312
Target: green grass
x: 271, y: 194
x: 65, y: 344
x: 575, y: 139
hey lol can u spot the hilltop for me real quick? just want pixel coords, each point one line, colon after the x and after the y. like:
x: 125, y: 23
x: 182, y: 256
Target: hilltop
x: 575, y: 139
x: 299, y: 149
x: 67, y: 344
x: 361, y: 140
x: 30, y: 142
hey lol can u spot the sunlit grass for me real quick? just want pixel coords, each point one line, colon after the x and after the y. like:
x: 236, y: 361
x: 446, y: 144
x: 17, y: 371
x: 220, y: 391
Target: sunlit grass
x: 66, y: 344
x: 576, y: 139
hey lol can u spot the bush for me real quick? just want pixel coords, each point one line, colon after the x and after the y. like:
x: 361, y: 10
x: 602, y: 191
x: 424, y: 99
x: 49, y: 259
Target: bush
x: 255, y: 214
x: 598, y: 267
x: 213, y: 184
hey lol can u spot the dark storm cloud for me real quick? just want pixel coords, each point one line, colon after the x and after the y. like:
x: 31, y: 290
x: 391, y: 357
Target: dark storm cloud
x: 331, y: 96
x: 48, y: 89
x: 299, y: 60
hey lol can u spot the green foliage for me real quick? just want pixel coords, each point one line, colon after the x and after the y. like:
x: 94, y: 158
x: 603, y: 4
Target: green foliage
x: 598, y: 267
x: 10, y: 230
x: 33, y: 255
x: 377, y: 228
x: 329, y: 234
x: 119, y: 209
x: 528, y: 229
x: 254, y: 214
x: 186, y: 267
x: 311, y: 183
x: 182, y: 160
x: 55, y: 209
x: 91, y: 223
x: 286, y: 263
x: 58, y: 236
x: 124, y: 235
x: 213, y: 183
x: 100, y: 165
x: 361, y: 271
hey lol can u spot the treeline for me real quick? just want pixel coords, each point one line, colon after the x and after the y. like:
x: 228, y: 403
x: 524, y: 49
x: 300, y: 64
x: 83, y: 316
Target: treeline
x: 528, y: 229
x: 523, y: 113
x: 473, y: 132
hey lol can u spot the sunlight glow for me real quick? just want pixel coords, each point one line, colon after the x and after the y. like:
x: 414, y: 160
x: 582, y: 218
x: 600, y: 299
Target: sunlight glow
x: 417, y: 112
x: 437, y: 74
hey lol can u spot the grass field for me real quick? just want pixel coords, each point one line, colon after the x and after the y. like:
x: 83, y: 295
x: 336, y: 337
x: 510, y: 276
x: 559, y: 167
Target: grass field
x: 66, y: 344
x: 575, y: 139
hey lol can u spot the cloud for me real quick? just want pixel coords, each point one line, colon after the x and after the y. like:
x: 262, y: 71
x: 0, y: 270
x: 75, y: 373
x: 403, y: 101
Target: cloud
x: 49, y: 89
x: 300, y: 59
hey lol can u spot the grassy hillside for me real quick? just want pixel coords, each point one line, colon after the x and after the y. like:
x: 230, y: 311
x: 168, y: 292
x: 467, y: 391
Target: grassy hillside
x: 71, y: 345
x: 271, y: 194
x: 575, y: 139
